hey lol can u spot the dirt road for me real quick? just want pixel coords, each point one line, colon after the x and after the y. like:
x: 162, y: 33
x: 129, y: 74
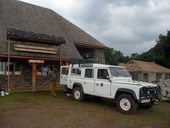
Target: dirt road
x: 62, y: 112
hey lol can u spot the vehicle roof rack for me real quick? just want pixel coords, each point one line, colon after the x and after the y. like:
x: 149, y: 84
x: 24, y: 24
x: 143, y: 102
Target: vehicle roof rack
x: 82, y: 62
x: 87, y: 65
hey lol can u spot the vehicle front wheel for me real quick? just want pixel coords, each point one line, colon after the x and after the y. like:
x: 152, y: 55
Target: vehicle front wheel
x: 126, y: 104
x: 78, y: 94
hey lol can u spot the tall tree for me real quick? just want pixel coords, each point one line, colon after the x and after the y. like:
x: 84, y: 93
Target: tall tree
x: 160, y: 53
x: 113, y: 57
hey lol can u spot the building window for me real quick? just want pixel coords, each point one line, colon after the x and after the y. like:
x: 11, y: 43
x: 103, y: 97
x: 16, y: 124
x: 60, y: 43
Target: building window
x: 158, y: 76
x: 167, y: 76
x: 42, y: 70
x: 102, y: 74
x: 145, y: 77
x: 89, y: 73
x: 2, y: 68
x: 15, y: 68
x: 134, y: 75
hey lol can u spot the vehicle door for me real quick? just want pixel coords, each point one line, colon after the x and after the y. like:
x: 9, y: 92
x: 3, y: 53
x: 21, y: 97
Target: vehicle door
x: 102, y: 83
x: 64, y: 75
x: 88, y: 84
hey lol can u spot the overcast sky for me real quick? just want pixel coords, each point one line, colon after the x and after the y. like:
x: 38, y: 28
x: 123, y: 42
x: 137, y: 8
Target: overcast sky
x: 126, y: 25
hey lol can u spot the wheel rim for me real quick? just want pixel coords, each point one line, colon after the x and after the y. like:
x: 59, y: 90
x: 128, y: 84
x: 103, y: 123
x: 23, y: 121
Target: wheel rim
x: 125, y: 104
x: 77, y: 94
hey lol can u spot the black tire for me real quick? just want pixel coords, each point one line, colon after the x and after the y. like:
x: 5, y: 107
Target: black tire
x: 126, y: 104
x: 78, y: 94
x: 147, y: 106
x: 67, y: 90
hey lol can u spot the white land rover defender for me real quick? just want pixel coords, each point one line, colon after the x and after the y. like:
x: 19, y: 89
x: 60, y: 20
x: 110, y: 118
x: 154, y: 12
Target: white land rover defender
x: 108, y: 81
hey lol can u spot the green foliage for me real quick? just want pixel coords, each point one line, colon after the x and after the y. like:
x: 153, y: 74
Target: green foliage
x: 113, y: 57
x: 160, y: 53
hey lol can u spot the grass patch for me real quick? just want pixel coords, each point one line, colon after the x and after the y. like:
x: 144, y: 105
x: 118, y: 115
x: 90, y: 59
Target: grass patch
x: 29, y: 96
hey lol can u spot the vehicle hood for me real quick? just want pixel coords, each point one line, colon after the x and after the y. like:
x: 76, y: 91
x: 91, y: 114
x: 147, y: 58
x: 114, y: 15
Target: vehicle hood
x: 145, y: 84
x: 132, y: 82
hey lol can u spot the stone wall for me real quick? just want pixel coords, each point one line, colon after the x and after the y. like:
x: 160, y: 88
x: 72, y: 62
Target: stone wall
x: 151, y: 77
x: 165, y: 89
x: 25, y: 79
x: 99, y: 56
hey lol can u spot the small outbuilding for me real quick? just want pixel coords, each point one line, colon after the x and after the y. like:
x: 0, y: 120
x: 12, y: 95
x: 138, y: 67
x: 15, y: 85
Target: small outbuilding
x: 147, y: 71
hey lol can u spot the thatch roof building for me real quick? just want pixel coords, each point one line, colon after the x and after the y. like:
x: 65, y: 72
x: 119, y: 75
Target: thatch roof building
x: 28, y: 17
x: 39, y: 35
x: 147, y: 71
x: 143, y: 66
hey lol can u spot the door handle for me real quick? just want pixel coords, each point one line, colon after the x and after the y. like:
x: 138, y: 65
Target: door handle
x: 101, y: 84
x: 97, y: 84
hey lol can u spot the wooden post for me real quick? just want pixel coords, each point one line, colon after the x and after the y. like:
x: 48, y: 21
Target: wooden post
x: 34, y: 64
x: 60, y: 57
x: 34, y: 75
x: 8, y: 87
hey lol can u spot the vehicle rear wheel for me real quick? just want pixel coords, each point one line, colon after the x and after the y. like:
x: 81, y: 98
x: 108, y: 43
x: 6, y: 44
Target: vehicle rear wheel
x: 126, y: 104
x: 78, y: 94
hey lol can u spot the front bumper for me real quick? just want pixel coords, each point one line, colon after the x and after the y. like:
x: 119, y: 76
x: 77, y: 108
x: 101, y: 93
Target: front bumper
x: 148, y: 94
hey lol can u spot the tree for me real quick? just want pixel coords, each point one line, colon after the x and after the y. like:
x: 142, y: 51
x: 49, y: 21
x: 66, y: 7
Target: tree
x: 113, y: 57
x: 160, y: 53
x: 134, y: 55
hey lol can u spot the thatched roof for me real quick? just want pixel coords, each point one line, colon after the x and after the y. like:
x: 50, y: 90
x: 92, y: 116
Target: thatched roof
x: 28, y: 17
x: 28, y: 36
x: 143, y: 66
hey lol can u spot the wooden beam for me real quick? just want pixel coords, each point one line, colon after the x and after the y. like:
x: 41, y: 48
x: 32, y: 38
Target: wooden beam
x: 34, y: 76
x: 36, y: 49
x: 36, y: 61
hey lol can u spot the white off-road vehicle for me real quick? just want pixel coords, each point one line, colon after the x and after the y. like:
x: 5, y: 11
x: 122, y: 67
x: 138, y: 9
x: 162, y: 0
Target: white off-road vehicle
x: 108, y: 81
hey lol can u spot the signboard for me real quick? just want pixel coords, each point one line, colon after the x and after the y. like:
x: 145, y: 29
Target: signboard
x: 36, y: 61
x: 36, y: 49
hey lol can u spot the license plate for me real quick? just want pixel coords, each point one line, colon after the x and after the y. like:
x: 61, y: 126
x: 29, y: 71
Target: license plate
x: 145, y: 100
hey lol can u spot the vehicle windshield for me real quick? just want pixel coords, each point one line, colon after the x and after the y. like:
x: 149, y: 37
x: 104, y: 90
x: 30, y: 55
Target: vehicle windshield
x: 119, y: 72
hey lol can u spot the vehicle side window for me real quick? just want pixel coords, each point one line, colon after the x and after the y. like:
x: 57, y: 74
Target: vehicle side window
x: 102, y: 74
x: 89, y: 73
x: 75, y: 71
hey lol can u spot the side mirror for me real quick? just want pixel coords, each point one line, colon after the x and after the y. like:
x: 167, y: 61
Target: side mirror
x: 108, y: 78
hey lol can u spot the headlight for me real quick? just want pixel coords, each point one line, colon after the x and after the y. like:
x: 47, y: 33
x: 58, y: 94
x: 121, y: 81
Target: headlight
x: 144, y: 90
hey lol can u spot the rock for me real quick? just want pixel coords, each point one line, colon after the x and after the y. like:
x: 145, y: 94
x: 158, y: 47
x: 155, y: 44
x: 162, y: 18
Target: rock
x: 165, y: 89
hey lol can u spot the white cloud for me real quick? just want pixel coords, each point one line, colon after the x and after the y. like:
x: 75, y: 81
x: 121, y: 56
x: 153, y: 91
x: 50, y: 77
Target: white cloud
x: 126, y: 25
